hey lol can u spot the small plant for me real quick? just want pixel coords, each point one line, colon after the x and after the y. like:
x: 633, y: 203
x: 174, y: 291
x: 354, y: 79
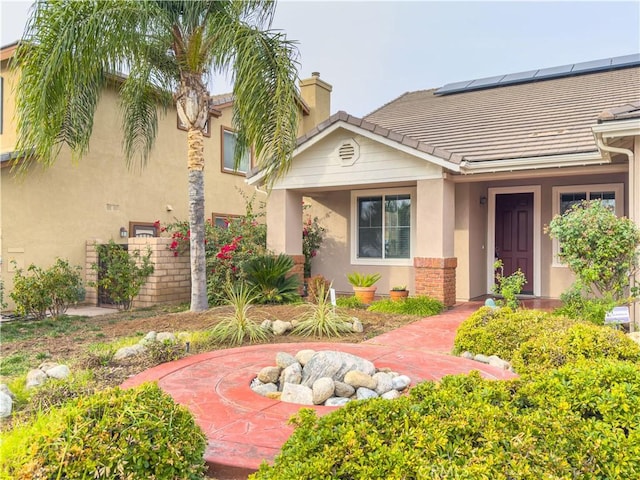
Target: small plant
x: 420, y: 305
x: 239, y: 327
x: 270, y: 278
x: 47, y: 291
x: 121, y: 274
x: 314, y: 285
x: 578, y: 304
x: 349, y: 302
x: 322, y: 321
x: 358, y: 279
x: 399, y: 288
x: 508, y: 287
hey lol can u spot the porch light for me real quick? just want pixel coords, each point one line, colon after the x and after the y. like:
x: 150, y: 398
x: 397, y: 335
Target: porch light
x: 483, y: 200
x: 123, y: 232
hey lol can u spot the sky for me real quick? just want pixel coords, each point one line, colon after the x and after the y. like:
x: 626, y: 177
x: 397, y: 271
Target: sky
x: 374, y: 51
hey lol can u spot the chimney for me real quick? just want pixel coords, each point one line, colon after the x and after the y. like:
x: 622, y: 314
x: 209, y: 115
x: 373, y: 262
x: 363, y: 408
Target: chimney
x: 316, y: 94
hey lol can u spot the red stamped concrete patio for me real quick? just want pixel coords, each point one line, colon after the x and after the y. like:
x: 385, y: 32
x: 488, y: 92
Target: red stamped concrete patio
x: 245, y: 429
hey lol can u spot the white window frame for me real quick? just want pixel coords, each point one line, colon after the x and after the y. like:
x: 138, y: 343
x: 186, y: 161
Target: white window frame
x: 355, y: 194
x: 224, y: 130
x: 617, y: 188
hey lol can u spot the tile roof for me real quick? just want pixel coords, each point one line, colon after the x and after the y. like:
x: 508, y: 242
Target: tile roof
x: 623, y: 112
x: 547, y: 117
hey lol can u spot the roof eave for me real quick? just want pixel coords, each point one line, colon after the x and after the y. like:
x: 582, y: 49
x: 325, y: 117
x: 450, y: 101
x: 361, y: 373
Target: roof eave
x: 532, y: 163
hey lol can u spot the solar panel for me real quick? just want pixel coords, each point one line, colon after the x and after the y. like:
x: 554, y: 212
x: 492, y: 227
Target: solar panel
x: 542, y: 74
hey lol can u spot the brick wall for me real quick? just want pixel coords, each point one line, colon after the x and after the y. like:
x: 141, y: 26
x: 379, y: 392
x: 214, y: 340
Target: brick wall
x: 436, y: 277
x: 169, y: 283
x: 298, y: 269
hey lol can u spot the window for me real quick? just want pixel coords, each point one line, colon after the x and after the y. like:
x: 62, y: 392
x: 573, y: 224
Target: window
x: 382, y: 227
x: 611, y: 194
x: 142, y: 229
x: 228, y: 151
x: 222, y: 219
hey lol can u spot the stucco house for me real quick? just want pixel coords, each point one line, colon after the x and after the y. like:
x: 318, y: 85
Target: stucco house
x: 431, y: 188
x: 63, y: 210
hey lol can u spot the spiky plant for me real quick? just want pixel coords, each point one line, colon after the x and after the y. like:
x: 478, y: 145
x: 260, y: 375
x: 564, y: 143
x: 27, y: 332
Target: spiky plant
x: 237, y: 328
x: 322, y: 320
x: 270, y: 278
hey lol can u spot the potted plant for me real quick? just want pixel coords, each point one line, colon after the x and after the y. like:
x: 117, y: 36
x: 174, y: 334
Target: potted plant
x: 399, y: 292
x: 363, y: 285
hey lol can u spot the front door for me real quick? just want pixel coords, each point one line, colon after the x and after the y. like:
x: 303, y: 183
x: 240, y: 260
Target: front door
x: 514, y: 235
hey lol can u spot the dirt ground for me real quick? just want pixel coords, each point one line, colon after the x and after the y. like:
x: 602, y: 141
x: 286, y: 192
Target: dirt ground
x: 70, y: 341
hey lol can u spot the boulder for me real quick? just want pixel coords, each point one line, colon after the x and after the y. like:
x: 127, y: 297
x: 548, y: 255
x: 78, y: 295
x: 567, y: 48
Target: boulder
x: 291, y: 374
x: 303, y: 356
x: 132, y: 351
x: 344, y: 390
x: 481, y: 358
x: 6, y: 405
x: 265, y: 388
x: 322, y: 389
x: 364, y: 394
x: 35, y: 378
x: 496, y: 361
x: 59, y: 372
x: 401, y: 382
x: 358, y: 379
x: 280, y: 327
x: 166, y: 337
x: 269, y: 374
x: 384, y: 382
x: 284, y: 359
x: 390, y: 395
x: 357, y: 326
x: 267, y: 325
x: 149, y: 337
x: 4, y: 388
x: 335, y: 365
x: 336, y: 402
x: 300, y: 394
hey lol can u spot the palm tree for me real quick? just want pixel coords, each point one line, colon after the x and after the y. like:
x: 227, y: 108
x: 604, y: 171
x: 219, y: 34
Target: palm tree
x: 170, y: 49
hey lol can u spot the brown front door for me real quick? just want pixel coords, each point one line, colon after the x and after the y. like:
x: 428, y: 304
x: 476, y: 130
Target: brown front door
x: 514, y: 234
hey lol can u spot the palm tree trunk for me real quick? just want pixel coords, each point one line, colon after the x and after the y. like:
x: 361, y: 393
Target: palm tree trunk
x: 199, y: 300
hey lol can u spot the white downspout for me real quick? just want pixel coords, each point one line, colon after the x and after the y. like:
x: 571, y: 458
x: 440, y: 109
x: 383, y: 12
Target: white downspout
x: 634, y: 209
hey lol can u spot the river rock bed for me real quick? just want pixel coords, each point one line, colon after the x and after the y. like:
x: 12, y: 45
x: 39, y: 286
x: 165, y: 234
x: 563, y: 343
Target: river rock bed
x: 327, y: 378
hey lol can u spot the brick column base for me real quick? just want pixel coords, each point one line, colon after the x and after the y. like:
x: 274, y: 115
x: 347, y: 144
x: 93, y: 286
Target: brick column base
x: 436, y: 277
x: 298, y: 270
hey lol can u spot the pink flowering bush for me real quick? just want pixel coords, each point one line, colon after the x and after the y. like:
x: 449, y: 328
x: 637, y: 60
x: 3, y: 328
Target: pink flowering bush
x: 227, y: 248
x: 312, y: 236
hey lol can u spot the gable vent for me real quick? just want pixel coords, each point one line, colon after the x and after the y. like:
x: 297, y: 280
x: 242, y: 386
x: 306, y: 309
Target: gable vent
x: 348, y: 152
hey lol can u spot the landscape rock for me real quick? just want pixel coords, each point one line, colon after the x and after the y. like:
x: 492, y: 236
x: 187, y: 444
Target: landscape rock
x: 6, y: 405
x: 284, y: 359
x: 265, y: 389
x: 44, y: 366
x: 274, y: 395
x: 59, y: 372
x: 131, y: 351
x: 35, y: 378
x: 391, y: 395
x: 401, y: 382
x: 384, y: 382
x: 300, y: 394
x: 4, y: 388
x: 481, y: 358
x: 335, y: 365
x: 149, y: 337
x: 336, y: 402
x: 267, y: 325
x: 166, y: 337
x: 291, y: 374
x: 269, y: 374
x: 496, y: 361
x: 357, y: 326
x: 322, y: 389
x: 364, y: 393
x: 358, y: 379
x: 280, y: 327
x: 344, y: 389
x: 303, y: 356
x: 467, y: 355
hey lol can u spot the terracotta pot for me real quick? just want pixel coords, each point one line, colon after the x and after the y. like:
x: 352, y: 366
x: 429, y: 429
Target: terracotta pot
x: 365, y: 294
x: 398, y: 295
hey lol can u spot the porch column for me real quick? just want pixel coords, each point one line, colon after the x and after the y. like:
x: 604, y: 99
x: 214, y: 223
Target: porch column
x: 284, y: 227
x: 434, y: 262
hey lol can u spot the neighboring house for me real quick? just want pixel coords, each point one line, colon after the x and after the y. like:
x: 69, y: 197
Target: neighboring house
x: 58, y: 211
x: 431, y: 188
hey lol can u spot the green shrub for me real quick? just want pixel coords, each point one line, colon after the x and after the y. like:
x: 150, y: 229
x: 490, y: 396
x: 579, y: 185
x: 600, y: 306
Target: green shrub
x: 121, y: 274
x: 599, y: 247
x: 468, y: 427
x: 501, y: 331
x: 349, y: 302
x: 52, y: 290
x: 270, y: 278
x: 358, y: 279
x: 508, y: 287
x: 577, y: 304
x: 555, y: 348
x: 136, y: 434
x: 420, y: 305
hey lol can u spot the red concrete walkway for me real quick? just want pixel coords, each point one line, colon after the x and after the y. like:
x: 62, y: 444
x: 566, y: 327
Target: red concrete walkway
x: 244, y: 429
